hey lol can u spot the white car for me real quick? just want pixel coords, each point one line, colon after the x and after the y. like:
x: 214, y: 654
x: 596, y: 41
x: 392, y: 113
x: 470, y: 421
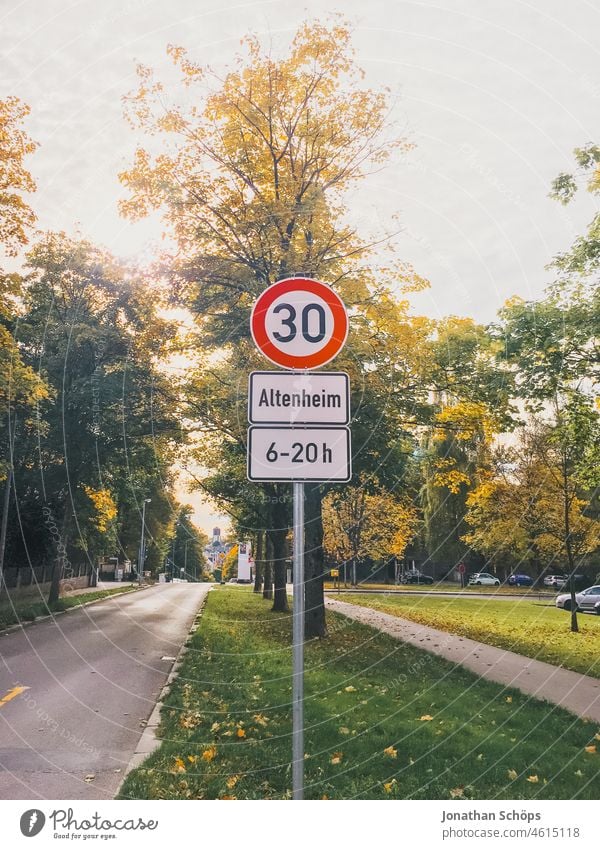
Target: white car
x: 556, y: 581
x: 483, y: 578
x: 588, y: 601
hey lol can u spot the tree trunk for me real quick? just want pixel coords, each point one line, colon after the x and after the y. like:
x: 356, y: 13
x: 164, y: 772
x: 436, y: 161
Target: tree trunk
x: 569, y: 549
x: 268, y: 568
x: 258, y: 562
x: 278, y: 534
x: 314, y: 617
x: 57, y: 573
x: 280, y: 550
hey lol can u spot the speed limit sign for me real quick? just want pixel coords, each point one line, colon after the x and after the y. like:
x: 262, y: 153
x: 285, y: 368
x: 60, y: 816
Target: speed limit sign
x: 299, y: 323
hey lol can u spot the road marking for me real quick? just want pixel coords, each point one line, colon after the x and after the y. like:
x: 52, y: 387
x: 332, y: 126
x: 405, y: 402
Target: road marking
x: 12, y: 694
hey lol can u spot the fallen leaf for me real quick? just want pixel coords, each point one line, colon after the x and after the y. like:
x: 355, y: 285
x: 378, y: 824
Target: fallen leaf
x: 509, y: 699
x: 533, y: 779
x: 344, y: 730
x: 337, y: 757
x: 579, y: 773
x: 512, y: 774
x: 232, y: 781
x: 391, y: 752
x: 426, y: 718
x: 89, y: 778
x: 591, y: 750
x: 209, y: 754
x: 179, y: 765
x: 350, y: 689
x: 480, y: 756
x: 389, y: 786
x: 260, y: 719
x: 458, y: 792
x: 240, y: 733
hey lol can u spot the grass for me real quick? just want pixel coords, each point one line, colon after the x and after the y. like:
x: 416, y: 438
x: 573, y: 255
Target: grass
x: 444, y: 586
x: 384, y: 720
x: 537, y: 630
x: 28, y: 610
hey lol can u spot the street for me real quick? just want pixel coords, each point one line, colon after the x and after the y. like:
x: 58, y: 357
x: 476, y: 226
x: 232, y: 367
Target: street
x: 75, y: 692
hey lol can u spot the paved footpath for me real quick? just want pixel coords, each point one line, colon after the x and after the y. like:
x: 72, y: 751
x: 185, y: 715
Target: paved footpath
x: 76, y: 691
x: 571, y: 690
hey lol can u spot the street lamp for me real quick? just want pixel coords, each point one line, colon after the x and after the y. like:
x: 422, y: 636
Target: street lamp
x: 142, y: 554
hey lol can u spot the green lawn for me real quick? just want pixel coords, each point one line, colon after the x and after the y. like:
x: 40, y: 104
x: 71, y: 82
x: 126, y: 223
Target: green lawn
x: 28, y: 610
x: 445, y: 586
x: 384, y: 720
x: 535, y: 629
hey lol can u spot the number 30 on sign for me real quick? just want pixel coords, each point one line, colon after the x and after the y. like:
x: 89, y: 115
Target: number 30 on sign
x: 299, y: 323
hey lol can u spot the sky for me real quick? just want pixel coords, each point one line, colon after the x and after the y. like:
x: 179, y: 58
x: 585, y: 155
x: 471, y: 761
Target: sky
x: 495, y: 96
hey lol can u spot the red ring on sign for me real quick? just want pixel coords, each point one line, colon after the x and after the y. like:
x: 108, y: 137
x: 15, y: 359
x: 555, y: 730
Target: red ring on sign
x: 276, y: 355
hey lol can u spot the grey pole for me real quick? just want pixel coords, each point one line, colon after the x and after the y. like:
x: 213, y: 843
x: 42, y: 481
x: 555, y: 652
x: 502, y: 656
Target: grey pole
x: 298, y: 646
x: 142, y: 553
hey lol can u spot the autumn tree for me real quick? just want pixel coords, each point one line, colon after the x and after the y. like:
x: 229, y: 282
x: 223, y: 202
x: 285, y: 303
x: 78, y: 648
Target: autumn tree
x: 20, y: 388
x: 251, y: 177
x: 470, y: 404
x: 359, y: 524
x: 107, y: 436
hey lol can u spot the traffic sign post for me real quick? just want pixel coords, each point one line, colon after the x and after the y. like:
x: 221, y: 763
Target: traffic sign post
x: 299, y: 428
x: 302, y: 398
x: 299, y: 453
x: 299, y: 323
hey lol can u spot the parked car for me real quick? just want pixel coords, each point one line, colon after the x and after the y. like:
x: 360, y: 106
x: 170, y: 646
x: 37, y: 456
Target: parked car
x: 483, y: 578
x: 556, y: 581
x: 416, y: 578
x: 520, y: 580
x: 588, y: 601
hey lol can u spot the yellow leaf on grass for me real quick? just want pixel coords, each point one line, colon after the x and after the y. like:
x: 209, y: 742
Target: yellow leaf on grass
x: 591, y: 750
x: 232, y: 781
x: 509, y: 699
x: 344, y: 730
x: 240, y: 733
x: 192, y: 758
x: 260, y: 719
x: 596, y: 736
x: 533, y: 779
x: 458, y: 792
x: 391, y: 752
x: 389, y: 786
x: 426, y: 718
x: 337, y: 757
x: 179, y: 765
x: 512, y: 774
x: 350, y: 689
x: 209, y: 754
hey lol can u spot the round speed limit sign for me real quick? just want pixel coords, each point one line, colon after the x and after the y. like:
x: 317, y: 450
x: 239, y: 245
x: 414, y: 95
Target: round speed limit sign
x: 299, y: 323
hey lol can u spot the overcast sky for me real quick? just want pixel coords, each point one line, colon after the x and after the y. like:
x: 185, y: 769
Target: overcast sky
x: 494, y: 94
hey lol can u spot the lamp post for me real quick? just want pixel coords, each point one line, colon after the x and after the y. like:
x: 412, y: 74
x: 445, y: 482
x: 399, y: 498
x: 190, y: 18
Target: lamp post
x: 142, y: 553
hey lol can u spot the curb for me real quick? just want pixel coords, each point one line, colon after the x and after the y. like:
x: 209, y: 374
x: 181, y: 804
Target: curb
x: 18, y: 626
x: 149, y: 740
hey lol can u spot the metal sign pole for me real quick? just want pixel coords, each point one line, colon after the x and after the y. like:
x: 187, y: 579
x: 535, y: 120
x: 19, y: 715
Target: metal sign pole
x: 298, y: 646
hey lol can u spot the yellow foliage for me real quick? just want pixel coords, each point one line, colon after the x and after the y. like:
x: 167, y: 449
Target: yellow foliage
x: 104, y: 505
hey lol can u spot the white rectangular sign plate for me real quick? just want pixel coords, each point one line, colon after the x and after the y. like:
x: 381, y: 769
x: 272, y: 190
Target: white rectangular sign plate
x: 297, y: 398
x: 299, y: 454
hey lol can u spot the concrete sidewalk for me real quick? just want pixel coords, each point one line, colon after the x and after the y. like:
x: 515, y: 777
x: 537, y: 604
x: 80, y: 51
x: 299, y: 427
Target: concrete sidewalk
x: 571, y: 690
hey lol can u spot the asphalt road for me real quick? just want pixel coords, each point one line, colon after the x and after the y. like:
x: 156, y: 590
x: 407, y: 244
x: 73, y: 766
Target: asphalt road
x: 90, y: 679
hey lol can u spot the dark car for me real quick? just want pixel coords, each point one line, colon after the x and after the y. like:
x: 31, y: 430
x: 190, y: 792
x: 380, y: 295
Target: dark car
x: 416, y: 578
x: 520, y: 580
